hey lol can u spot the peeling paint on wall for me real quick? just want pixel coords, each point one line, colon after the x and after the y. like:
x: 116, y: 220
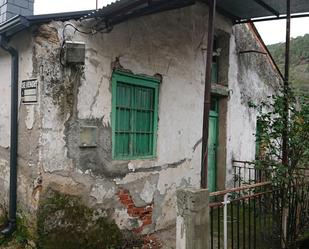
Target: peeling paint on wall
x: 138, y: 194
x: 30, y: 117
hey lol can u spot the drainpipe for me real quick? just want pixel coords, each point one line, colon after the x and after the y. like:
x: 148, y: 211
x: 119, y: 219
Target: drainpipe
x: 11, y: 226
x: 207, y: 93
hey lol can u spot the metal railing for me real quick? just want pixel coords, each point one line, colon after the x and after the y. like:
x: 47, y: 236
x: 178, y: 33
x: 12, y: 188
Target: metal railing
x: 245, y: 172
x: 251, y: 216
x: 242, y: 217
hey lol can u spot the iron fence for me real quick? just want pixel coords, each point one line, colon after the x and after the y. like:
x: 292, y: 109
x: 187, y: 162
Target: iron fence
x: 254, y: 216
x: 245, y: 172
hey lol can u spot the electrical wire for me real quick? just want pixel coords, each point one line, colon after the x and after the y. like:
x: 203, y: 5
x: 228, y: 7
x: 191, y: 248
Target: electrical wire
x: 108, y: 28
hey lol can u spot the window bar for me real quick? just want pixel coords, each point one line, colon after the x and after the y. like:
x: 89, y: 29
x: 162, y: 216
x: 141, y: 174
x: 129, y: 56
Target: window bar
x: 269, y: 211
x: 225, y: 221
x: 232, y: 224
x: 119, y: 125
x: 249, y: 223
x: 244, y: 223
x: 260, y: 220
x: 211, y: 228
x: 238, y: 225
x: 235, y: 177
x: 254, y: 222
x: 132, y: 137
x: 274, y: 213
x: 289, y: 214
x: 272, y: 216
x: 266, y: 210
x: 293, y: 212
x: 239, y: 174
x: 219, y: 228
x: 264, y: 213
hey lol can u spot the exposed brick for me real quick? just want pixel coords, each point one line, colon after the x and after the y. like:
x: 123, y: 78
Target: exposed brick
x: 131, y: 206
x: 147, y: 222
x: 143, y: 213
x: 126, y: 202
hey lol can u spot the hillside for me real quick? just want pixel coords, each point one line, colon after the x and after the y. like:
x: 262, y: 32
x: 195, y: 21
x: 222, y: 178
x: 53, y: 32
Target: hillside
x: 299, y: 70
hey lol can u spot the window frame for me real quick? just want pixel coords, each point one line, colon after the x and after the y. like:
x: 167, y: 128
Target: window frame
x: 215, y: 64
x: 135, y: 80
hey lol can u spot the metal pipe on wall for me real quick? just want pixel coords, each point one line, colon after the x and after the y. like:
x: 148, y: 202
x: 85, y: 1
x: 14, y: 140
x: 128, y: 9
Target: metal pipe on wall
x: 11, y: 226
x: 285, y: 135
x: 207, y: 93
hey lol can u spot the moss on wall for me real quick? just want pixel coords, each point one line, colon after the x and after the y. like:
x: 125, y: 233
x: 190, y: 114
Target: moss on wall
x: 65, y: 223
x: 21, y: 238
x: 3, y: 220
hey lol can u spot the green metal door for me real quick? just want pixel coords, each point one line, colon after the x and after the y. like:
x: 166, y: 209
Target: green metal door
x: 212, y: 146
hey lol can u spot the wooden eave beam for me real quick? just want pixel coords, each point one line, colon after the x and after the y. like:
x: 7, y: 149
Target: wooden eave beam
x: 267, y: 7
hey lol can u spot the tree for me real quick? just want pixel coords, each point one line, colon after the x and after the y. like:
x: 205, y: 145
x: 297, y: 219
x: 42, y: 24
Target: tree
x: 290, y: 180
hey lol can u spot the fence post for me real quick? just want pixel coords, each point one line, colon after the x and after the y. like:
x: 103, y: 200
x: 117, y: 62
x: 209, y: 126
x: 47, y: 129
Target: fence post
x: 192, y: 219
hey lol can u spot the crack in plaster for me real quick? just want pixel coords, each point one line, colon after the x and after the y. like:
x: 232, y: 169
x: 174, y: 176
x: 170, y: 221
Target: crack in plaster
x: 162, y: 167
x: 197, y: 144
x: 96, y: 94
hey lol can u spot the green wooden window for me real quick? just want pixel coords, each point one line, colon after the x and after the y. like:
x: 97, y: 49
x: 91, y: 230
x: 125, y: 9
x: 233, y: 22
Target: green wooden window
x: 134, y: 116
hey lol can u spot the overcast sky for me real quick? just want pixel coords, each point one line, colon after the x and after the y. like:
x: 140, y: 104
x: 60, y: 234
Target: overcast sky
x: 271, y: 32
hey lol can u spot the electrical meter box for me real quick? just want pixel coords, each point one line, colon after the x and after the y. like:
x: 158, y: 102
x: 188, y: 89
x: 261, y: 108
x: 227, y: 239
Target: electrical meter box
x: 74, y: 52
x: 88, y: 137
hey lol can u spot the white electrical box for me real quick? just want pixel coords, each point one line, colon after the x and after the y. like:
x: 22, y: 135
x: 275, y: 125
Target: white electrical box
x: 74, y: 52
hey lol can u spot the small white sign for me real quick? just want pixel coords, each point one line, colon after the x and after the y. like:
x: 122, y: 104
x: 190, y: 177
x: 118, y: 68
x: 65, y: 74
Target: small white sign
x: 29, y: 91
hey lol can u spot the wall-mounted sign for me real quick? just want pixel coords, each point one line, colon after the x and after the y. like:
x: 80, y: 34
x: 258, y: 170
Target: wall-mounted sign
x: 29, y: 91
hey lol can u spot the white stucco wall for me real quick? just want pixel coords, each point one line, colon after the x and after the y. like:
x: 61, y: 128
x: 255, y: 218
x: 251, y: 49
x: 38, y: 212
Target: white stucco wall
x: 27, y: 117
x: 5, y: 103
x: 171, y: 44
x: 155, y: 44
x: 249, y: 82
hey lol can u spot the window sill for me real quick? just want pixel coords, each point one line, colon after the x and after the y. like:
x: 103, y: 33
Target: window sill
x: 134, y: 158
x: 219, y: 90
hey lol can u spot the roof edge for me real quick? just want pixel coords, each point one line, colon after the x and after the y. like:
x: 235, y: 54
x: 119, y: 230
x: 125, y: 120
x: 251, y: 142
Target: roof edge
x: 19, y: 23
x: 253, y: 28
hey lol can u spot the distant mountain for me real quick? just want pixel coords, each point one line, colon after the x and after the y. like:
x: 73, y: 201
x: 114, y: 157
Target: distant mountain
x: 299, y: 68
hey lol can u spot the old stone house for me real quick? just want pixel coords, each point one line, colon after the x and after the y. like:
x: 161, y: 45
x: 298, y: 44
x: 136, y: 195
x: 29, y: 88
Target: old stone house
x: 110, y: 107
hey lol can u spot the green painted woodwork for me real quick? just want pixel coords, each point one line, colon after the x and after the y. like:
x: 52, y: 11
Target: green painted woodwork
x: 212, y: 146
x: 134, y: 116
x: 214, y: 73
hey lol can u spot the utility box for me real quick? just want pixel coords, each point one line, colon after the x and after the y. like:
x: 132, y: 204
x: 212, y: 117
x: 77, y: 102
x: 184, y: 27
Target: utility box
x: 74, y: 53
x: 88, y: 137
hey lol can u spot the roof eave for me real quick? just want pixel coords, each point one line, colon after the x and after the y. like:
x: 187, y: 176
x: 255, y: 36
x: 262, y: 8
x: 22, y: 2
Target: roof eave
x: 13, y: 25
x: 19, y: 23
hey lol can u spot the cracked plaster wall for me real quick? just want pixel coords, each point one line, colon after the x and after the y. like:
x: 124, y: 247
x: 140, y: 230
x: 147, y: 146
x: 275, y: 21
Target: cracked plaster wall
x: 252, y: 77
x: 73, y: 96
